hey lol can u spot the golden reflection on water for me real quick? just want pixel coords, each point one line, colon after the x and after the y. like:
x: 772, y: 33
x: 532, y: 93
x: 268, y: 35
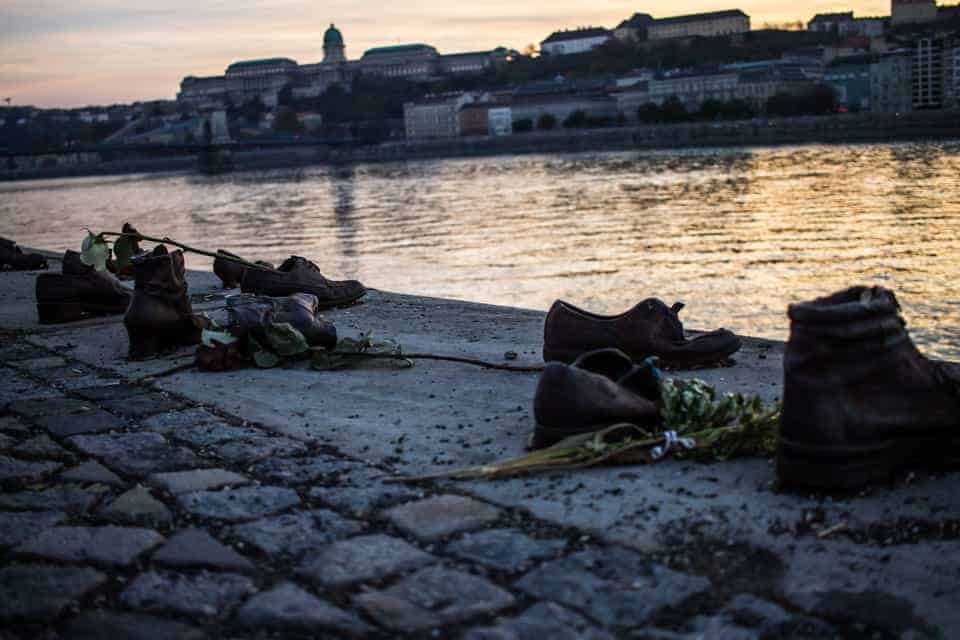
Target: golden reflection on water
x: 736, y: 234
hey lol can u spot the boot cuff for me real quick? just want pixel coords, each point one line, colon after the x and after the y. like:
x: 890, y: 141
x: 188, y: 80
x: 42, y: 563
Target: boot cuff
x: 842, y: 307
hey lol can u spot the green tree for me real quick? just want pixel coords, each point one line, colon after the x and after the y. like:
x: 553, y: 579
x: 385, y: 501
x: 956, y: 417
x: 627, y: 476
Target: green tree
x: 547, y: 122
x: 285, y: 120
x: 576, y: 120
x: 523, y: 125
x: 673, y: 110
x: 649, y: 112
x: 253, y: 110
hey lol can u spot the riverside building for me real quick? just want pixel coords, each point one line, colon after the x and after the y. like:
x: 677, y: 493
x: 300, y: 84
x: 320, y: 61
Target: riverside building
x: 266, y: 78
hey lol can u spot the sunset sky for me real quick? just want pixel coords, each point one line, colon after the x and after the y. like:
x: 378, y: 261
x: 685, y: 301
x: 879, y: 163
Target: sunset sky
x: 57, y: 53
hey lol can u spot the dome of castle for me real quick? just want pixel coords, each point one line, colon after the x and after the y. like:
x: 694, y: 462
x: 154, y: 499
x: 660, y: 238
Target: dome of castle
x: 333, y: 37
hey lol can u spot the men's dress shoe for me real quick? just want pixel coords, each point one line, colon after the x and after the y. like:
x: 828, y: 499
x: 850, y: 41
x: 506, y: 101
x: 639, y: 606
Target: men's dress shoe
x: 230, y: 272
x: 299, y: 275
x: 649, y: 329
x: 160, y: 315
x: 859, y: 400
x: 251, y: 316
x: 12, y: 257
x: 600, y: 389
x: 78, y: 292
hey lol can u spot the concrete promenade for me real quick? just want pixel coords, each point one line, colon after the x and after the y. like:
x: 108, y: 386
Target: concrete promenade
x: 251, y: 504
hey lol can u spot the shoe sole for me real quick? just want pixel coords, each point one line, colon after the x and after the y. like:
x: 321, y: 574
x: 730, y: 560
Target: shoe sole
x: 322, y: 305
x: 63, y: 312
x: 568, y: 356
x: 853, y: 467
x: 543, y: 437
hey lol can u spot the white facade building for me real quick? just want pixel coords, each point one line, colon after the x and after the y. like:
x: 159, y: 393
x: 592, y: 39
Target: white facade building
x: 501, y: 121
x: 561, y: 43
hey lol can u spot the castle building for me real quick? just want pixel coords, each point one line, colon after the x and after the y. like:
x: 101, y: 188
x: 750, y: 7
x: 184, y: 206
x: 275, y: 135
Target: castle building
x: 334, y: 51
x: 266, y: 78
x: 716, y: 23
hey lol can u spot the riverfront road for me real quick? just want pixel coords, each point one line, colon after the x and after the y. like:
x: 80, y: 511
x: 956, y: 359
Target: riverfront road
x: 251, y: 504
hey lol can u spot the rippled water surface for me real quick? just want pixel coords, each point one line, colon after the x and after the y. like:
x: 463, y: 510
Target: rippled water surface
x: 736, y: 234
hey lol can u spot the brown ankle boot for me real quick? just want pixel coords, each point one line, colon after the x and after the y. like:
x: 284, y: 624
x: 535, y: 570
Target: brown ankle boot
x: 160, y: 316
x: 859, y: 400
x: 78, y: 292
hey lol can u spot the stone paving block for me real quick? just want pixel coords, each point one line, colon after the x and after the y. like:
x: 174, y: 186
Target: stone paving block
x: 109, y: 546
x: 68, y: 498
x: 287, y: 607
x: 41, y: 362
x: 720, y: 626
x: 196, y: 548
x: 441, y: 516
x: 25, y: 472
x: 39, y: 592
x: 191, y: 417
x: 205, y: 594
x: 14, y: 427
x: 141, y: 405
x: 770, y: 619
x: 361, y: 559
x: 362, y: 491
x: 617, y: 586
x: 295, y: 533
x: 66, y: 371
x: 433, y: 597
x: 177, y: 482
x: 295, y: 471
x: 69, y: 375
x: 7, y: 442
x: 113, y: 391
x: 93, y: 421
x: 136, y: 454
x: 87, y: 380
x: 18, y: 388
x: 237, y: 505
x: 256, y: 448
x: 64, y: 426
x: 543, y: 620
x: 504, y: 549
x: 99, y: 625
x: 21, y: 351
x: 137, y: 506
x: 92, y: 471
x: 197, y: 427
x: 16, y: 528
x: 59, y: 406
x: 43, y: 448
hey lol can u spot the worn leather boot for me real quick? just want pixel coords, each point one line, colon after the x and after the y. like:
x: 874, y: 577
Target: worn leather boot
x: 78, y: 292
x: 602, y: 388
x: 251, y: 315
x: 160, y: 316
x: 299, y: 275
x: 859, y: 400
x: 649, y: 329
x: 12, y: 257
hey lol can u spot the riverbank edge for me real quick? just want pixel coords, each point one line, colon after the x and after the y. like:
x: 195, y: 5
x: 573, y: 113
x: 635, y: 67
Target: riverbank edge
x: 848, y: 129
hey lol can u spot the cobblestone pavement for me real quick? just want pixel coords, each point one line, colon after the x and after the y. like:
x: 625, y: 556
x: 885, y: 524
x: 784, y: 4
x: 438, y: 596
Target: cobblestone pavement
x: 190, y: 506
x: 132, y: 513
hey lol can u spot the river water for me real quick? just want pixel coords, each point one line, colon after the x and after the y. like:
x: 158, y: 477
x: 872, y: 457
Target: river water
x: 736, y: 234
